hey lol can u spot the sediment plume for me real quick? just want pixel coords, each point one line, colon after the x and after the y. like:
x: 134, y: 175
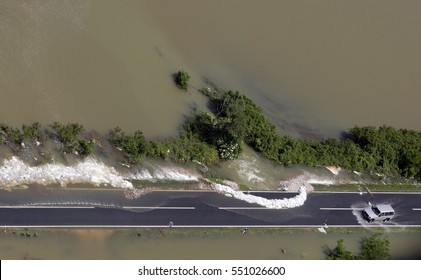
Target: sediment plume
x: 165, y: 174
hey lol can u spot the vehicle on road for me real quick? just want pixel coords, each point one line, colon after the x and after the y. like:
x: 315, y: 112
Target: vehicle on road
x: 379, y: 212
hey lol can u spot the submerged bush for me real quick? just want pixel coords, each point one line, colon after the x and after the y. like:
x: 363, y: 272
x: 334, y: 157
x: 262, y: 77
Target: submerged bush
x: 375, y: 247
x: 134, y: 145
x: 69, y: 135
x: 182, y: 79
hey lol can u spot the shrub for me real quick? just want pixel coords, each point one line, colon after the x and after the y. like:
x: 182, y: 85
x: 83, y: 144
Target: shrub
x: 134, y: 145
x: 86, y: 147
x: 182, y: 79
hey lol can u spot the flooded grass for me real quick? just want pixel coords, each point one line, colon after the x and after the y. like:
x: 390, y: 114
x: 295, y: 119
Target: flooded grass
x: 206, y: 243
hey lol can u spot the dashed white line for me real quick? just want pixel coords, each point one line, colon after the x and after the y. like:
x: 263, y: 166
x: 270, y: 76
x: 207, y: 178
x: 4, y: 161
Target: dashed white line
x: 341, y: 209
x: 43, y: 207
x: 245, y: 208
x: 206, y: 226
x: 157, y: 207
x: 92, y: 207
x: 416, y: 209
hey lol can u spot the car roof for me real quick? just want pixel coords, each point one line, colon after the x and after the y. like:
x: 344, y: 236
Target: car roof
x: 384, y: 207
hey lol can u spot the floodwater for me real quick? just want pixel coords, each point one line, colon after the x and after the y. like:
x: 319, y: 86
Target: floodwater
x: 315, y: 68
x: 160, y: 244
x: 93, y: 62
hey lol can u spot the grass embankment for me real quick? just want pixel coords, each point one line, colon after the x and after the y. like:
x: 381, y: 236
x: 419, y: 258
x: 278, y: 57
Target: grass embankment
x: 166, y: 232
x: 25, y: 232
x: 205, y: 232
x: 165, y: 185
x: 371, y: 187
x: 145, y: 233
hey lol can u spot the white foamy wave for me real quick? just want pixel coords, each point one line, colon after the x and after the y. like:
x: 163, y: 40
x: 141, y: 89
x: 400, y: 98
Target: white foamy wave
x: 306, y: 179
x: 15, y: 172
x: 292, y: 202
x: 334, y: 169
x: 249, y: 171
x: 296, y: 183
x: 322, y: 181
x: 165, y: 174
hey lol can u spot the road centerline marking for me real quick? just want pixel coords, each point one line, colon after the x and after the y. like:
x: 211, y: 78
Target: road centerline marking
x: 44, y: 207
x: 245, y: 208
x: 158, y: 207
x: 93, y: 207
x: 340, y: 209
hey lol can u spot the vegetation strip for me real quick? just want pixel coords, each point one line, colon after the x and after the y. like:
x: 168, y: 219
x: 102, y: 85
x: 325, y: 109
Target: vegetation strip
x: 235, y: 120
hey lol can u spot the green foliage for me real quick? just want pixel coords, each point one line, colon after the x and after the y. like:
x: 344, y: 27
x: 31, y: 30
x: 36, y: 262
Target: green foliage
x: 375, y: 248
x: 236, y: 118
x: 18, y: 136
x: 86, y: 147
x: 215, y: 131
x: 182, y: 79
x: 11, y: 134
x: 372, y: 248
x: 69, y: 134
x: 184, y: 148
x: 158, y: 149
x: 396, y: 151
x: 34, y: 132
x: 340, y: 252
x: 134, y: 145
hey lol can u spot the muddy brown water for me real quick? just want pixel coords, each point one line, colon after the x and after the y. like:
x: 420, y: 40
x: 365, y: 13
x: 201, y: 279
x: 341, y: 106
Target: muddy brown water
x: 107, y: 244
x: 93, y: 62
x: 312, y: 66
x: 315, y: 68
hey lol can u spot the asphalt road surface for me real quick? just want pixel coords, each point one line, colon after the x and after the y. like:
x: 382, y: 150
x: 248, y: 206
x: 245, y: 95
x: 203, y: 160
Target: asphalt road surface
x: 210, y: 209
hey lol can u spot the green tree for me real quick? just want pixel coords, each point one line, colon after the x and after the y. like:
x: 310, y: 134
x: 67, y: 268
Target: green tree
x: 134, y: 145
x: 12, y: 134
x: 86, y: 147
x: 375, y: 248
x: 34, y: 131
x: 182, y: 79
x: 68, y: 135
x: 340, y: 252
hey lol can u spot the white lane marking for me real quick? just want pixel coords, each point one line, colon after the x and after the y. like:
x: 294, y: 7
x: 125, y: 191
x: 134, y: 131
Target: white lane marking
x: 92, y: 207
x: 46, y: 207
x: 207, y: 226
x: 340, y: 209
x: 157, y: 207
x: 246, y: 208
x: 373, y: 192
x: 416, y: 209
